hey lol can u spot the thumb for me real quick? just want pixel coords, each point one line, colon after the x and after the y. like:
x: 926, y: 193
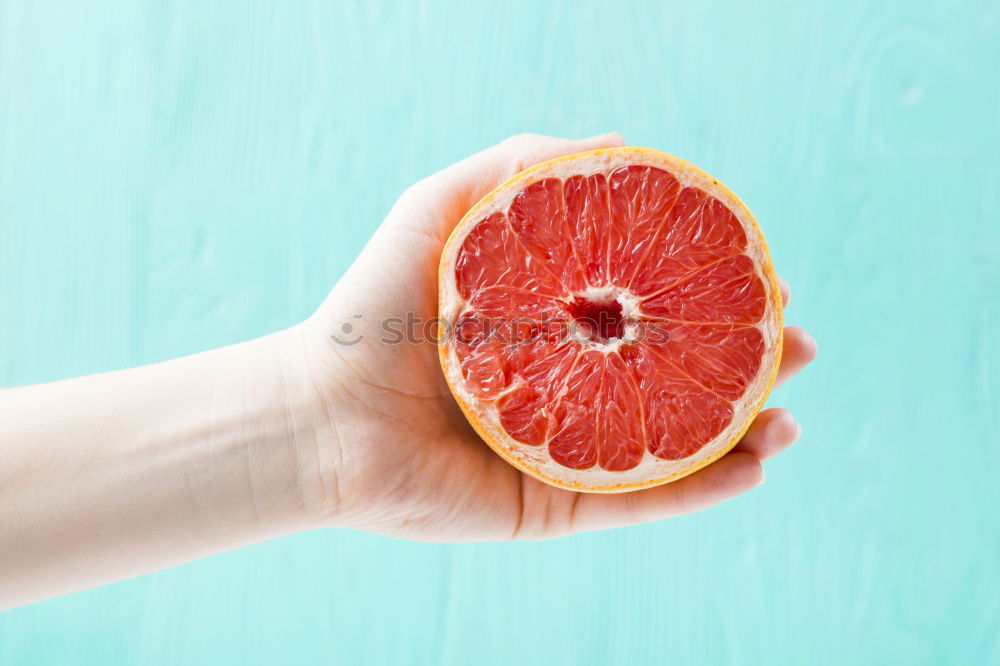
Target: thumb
x: 439, y: 201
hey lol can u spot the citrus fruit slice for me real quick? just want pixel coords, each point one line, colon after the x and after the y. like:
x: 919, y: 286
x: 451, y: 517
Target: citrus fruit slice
x: 611, y: 319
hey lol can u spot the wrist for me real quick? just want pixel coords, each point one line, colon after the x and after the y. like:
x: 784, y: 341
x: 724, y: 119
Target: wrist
x: 309, y: 411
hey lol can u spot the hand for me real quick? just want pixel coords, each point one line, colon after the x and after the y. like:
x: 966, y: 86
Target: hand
x: 148, y: 467
x: 404, y: 461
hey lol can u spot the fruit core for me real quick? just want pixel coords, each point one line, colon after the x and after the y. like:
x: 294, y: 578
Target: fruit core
x: 598, y: 320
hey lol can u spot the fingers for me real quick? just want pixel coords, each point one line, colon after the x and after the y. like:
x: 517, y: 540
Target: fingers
x: 799, y: 351
x: 772, y: 431
x: 732, y: 475
x: 455, y: 189
x: 477, y: 175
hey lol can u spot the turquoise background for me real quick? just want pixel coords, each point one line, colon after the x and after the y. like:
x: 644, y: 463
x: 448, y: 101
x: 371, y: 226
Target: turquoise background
x: 182, y: 175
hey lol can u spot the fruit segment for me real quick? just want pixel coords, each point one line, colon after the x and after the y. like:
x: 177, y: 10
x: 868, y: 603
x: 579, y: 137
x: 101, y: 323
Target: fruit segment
x: 526, y: 410
x: 588, y: 215
x: 723, y: 359
x: 724, y: 292
x: 492, y: 256
x: 574, y: 438
x: 681, y: 416
x: 538, y: 219
x: 641, y: 200
x: 698, y: 232
x: 622, y: 437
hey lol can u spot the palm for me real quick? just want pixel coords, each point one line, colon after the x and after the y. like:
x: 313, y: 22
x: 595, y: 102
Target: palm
x: 436, y: 479
x: 428, y: 475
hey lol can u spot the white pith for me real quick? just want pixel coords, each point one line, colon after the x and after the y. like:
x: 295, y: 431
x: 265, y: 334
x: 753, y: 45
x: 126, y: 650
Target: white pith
x: 536, y: 459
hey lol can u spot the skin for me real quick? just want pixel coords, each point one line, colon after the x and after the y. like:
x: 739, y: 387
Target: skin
x: 116, y: 475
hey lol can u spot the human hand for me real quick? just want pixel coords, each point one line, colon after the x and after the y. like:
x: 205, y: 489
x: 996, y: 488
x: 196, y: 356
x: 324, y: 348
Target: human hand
x: 152, y: 466
x: 397, y: 455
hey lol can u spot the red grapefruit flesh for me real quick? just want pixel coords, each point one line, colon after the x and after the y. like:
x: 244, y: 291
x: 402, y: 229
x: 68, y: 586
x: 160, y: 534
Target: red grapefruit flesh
x: 613, y: 319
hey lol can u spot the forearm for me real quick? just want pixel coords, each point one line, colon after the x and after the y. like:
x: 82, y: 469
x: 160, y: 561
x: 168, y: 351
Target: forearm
x: 124, y: 473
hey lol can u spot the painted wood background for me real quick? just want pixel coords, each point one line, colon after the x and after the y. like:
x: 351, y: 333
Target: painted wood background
x: 180, y: 175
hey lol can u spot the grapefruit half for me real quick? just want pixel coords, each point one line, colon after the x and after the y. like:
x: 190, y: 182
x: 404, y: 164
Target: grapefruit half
x: 611, y: 320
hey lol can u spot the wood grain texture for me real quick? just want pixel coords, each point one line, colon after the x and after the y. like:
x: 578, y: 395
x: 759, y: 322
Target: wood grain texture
x: 178, y: 176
